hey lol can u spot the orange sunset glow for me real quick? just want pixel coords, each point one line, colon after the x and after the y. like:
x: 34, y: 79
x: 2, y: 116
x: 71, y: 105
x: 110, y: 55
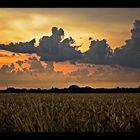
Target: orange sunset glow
x: 95, y: 49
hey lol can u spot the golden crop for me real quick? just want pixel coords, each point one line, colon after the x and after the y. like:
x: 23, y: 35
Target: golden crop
x: 69, y: 112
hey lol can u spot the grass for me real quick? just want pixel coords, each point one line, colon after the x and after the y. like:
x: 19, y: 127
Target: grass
x: 69, y: 112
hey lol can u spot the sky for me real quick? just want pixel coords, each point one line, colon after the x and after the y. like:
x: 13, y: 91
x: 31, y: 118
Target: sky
x: 45, y: 47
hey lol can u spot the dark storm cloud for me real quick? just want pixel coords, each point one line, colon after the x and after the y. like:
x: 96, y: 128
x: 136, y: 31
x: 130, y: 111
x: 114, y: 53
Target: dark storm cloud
x: 22, y: 47
x: 51, y: 48
x: 129, y: 54
x: 99, y: 52
x: 56, y: 48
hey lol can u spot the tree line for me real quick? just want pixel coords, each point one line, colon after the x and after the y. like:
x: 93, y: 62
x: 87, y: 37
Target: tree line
x: 72, y: 89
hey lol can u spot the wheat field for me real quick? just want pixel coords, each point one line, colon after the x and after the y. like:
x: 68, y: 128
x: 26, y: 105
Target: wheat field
x: 69, y: 112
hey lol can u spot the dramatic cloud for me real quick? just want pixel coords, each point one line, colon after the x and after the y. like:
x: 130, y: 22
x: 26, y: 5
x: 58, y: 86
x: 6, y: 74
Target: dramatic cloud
x: 99, y: 52
x: 56, y: 48
x: 26, y: 47
x: 129, y: 54
x: 53, y: 48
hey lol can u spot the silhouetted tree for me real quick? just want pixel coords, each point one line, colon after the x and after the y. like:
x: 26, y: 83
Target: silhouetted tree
x: 73, y: 87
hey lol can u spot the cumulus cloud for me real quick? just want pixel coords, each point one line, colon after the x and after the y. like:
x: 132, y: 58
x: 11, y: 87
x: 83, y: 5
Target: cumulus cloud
x: 35, y: 65
x: 21, y: 47
x: 99, y: 52
x: 53, y: 48
x: 129, y: 54
x: 56, y: 48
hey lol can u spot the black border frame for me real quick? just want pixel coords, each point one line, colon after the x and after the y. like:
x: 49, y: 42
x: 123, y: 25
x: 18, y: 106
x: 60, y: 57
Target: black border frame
x: 70, y: 136
x: 69, y: 4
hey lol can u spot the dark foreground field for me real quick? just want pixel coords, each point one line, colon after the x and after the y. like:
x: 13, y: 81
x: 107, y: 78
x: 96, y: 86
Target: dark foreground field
x: 72, y: 113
